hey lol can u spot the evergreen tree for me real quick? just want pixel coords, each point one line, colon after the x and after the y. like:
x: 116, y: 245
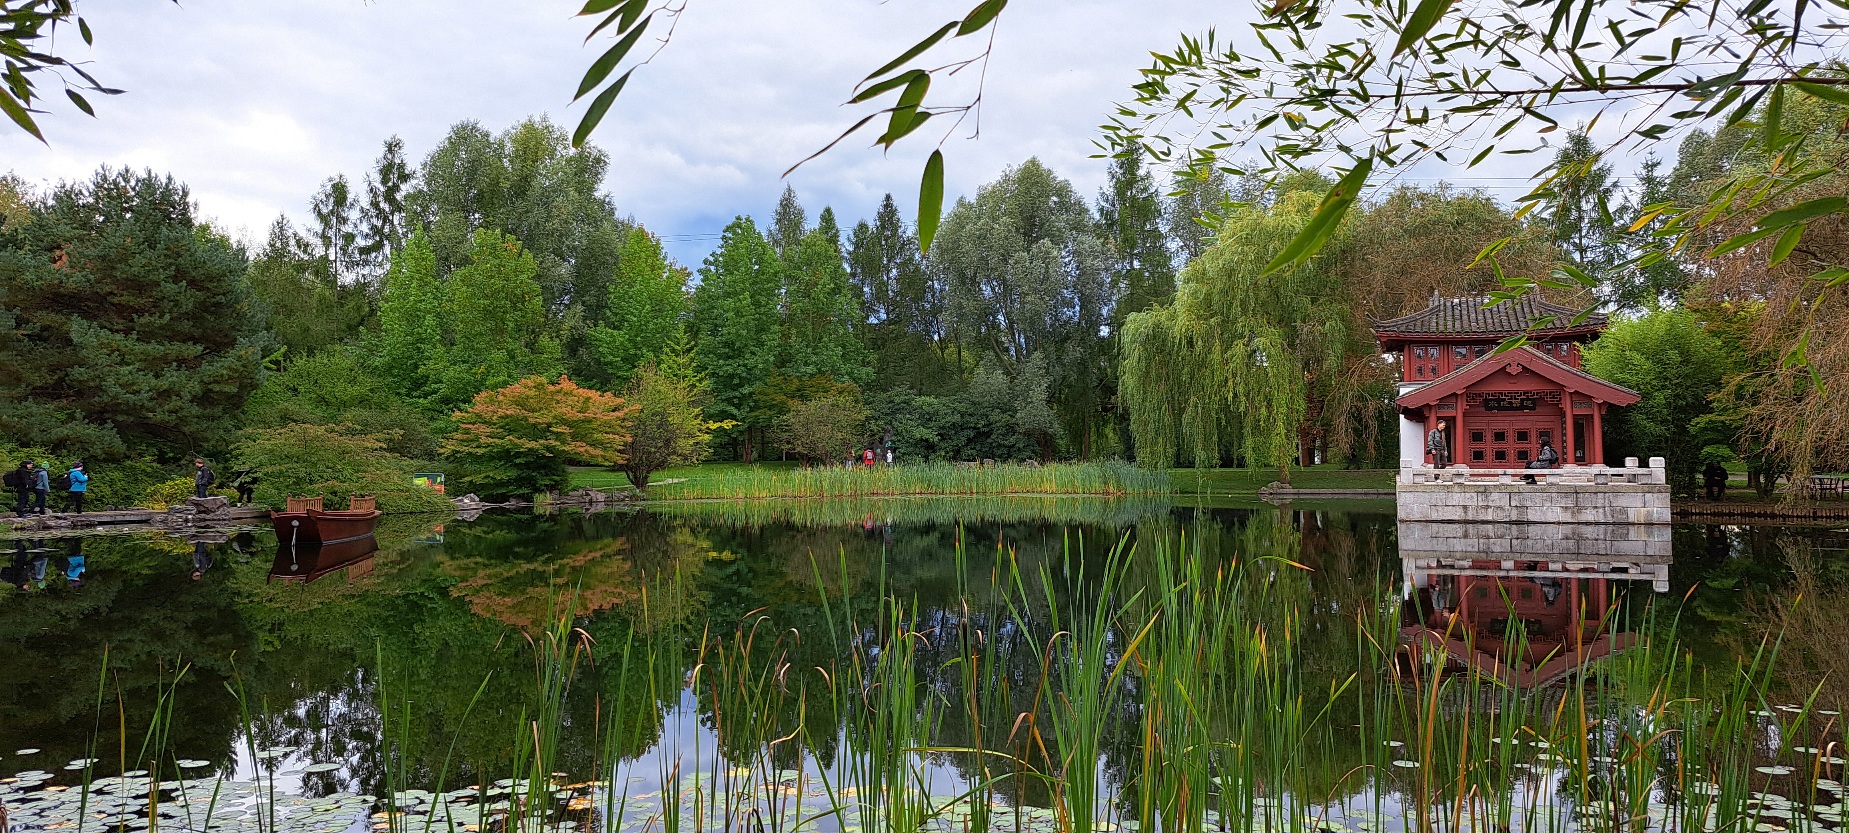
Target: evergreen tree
x: 819, y: 314
x: 735, y: 323
x: 410, y: 347
x: 337, y: 228
x: 647, y: 308
x: 788, y: 224
x: 1131, y: 222
x: 830, y: 229
x: 903, y: 316
x: 307, y: 308
x: 1640, y: 287
x: 135, y: 328
x: 1582, y: 219
x: 382, y: 219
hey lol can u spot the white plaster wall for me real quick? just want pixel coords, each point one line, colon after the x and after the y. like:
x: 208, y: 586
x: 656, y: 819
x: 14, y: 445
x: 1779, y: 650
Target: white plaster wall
x: 1412, y: 433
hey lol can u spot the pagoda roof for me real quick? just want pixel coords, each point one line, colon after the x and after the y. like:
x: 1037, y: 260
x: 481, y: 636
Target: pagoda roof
x: 1525, y: 358
x: 1478, y: 317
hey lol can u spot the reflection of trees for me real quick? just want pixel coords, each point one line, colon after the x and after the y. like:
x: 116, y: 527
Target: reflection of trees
x: 139, y: 606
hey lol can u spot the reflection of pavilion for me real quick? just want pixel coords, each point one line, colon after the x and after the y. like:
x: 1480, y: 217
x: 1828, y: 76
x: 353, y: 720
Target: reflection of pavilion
x: 307, y: 562
x: 1527, y: 604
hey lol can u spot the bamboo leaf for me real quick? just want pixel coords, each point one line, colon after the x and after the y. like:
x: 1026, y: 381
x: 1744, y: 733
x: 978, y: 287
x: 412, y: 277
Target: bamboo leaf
x: 80, y: 102
x: 1807, y: 210
x: 599, y: 106
x: 930, y: 200
x: 980, y: 16
x: 607, y: 62
x: 1325, y: 221
x: 1786, y: 243
x: 20, y: 116
x: 1741, y: 241
x: 1424, y: 17
x: 1828, y: 92
x: 915, y: 51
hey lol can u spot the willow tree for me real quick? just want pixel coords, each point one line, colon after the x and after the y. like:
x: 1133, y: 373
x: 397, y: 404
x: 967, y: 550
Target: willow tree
x: 1233, y: 361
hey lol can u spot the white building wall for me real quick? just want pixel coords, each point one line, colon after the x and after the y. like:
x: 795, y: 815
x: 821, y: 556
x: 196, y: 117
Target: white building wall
x: 1412, y: 434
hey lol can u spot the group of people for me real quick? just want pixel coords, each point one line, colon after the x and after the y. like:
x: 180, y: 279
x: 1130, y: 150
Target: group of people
x: 1438, y: 445
x: 33, y: 483
x: 871, y: 456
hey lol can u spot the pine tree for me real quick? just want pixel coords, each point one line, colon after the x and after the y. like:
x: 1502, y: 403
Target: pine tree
x: 1582, y: 218
x: 735, y: 323
x: 337, y: 229
x: 788, y: 224
x: 382, y: 219
x: 141, y: 334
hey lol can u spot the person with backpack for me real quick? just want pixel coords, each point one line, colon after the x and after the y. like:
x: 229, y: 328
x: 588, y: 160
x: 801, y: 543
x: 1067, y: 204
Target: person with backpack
x: 20, y: 481
x: 78, y: 482
x: 203, y: 477
x: 41, y: 484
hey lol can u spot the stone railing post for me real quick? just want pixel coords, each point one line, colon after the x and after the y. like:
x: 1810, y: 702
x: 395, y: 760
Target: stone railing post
x: 1657, y: 473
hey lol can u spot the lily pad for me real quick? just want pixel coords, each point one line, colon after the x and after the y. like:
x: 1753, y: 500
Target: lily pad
x: 1406, y: 764
x: 1773, y: 770
x: 322, y: 767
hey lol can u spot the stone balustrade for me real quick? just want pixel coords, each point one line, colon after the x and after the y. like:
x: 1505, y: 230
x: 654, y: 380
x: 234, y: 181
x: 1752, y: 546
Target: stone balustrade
x: 1630, y: 494
x: 1630, y: 473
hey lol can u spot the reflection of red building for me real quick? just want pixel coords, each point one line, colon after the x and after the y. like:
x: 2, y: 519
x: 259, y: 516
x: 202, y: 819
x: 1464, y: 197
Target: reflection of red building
x: 1529, y: 623
x: 1500, y: 406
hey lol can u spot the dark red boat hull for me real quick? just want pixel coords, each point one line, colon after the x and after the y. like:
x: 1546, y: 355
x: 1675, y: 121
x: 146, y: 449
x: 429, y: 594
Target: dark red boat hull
x: 315, y: 527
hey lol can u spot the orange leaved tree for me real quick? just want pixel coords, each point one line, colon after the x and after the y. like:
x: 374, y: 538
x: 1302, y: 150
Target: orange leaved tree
x: 517, y: 440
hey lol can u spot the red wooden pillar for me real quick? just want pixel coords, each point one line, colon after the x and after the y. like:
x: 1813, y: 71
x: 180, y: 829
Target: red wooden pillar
x: 1566, y: 439
x: 1458, y: 454
x: 1595, y: 444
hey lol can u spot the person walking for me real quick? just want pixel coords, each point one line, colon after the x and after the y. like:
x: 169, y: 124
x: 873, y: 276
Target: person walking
x: 1439, y: 446
x: 80, y: 486
x: 21, y: 481
x: 203, y: 477
x: 41, y: 484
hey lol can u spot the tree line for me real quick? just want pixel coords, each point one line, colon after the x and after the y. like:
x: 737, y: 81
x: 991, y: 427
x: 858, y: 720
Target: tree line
x: 1041, y: 325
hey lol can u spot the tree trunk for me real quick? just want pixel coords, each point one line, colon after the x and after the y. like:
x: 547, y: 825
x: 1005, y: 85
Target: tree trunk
x: 746, y: 452
x: 1284, y: 472
x: 638, y: 479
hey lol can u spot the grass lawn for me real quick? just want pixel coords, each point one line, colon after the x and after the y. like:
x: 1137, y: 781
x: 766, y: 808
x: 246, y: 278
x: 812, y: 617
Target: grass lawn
x: 595, y: 478
x: 1247, y: 481
x: 1185, y: 481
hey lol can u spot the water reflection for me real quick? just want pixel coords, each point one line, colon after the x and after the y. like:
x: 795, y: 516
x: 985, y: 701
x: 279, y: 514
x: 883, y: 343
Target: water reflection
x: 429, y: 614
x: 307, y: 562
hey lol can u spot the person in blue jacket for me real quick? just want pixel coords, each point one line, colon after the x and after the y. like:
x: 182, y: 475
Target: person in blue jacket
x: 80, y: 486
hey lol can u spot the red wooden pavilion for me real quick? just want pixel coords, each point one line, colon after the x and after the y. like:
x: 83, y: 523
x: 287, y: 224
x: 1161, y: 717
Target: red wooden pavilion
x: 1500, y: 406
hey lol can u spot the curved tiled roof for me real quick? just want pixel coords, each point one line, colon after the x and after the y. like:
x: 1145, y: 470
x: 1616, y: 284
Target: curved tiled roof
x: 1471, y: 316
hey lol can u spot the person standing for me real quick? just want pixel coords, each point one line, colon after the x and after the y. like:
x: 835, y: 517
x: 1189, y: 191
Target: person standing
x: 1714, y: 481
x: 203, y: 477
x: 41, y: 484
x: 80, y: 486
x: 21, y: 481
x: 1439, y: 446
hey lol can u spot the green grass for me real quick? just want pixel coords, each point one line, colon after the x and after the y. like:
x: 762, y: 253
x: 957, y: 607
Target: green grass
x: 739, y: 481
x: 1250, y: 480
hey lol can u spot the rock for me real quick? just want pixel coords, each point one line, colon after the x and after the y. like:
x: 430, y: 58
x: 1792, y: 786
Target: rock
x: 468, y: 500
x: 209, y: 505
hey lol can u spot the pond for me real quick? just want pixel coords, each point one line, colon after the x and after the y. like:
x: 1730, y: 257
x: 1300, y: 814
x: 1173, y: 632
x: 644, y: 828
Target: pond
x: 1034, y: 664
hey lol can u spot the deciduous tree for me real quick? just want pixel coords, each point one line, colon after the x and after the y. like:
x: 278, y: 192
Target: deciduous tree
x: 735, y: 324
x: 519, y: 439
x: 669, y: 428
x: 647, y: 307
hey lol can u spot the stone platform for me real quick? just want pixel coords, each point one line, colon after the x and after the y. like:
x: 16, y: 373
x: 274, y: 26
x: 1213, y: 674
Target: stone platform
x: 1625, y: 495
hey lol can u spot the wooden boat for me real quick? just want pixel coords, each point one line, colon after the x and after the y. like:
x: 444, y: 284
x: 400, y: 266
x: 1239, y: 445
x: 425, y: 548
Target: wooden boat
x: 306, y: 562
x: 305, y: 522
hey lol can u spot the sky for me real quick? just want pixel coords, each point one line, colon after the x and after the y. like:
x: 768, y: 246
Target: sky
x: 253, y: 103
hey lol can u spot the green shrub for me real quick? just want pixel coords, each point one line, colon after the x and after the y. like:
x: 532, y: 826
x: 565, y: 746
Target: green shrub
x: 171, y: 493
x: 335, y: 461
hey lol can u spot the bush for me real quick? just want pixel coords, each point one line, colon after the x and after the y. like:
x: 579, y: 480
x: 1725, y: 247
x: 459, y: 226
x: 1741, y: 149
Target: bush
x: 174, y: 492
x: 336, y: 461
x: 518, y: 440
x: 116, y: 485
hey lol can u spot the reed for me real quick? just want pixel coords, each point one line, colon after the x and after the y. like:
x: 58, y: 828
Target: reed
x: 1114, y: 478
x: 1152, y: 689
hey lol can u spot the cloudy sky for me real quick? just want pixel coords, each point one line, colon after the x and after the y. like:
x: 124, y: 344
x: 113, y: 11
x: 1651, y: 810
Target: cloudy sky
x: 254, y: 102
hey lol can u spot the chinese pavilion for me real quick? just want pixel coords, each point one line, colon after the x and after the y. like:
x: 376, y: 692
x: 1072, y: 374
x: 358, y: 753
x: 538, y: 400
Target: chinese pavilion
x: 1500, y: 407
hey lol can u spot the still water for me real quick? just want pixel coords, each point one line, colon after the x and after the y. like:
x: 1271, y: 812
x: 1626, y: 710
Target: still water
x: 255, y: 680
